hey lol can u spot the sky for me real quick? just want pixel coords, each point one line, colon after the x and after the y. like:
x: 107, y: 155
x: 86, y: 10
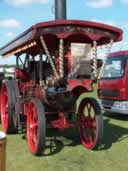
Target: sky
x: 18, y: 15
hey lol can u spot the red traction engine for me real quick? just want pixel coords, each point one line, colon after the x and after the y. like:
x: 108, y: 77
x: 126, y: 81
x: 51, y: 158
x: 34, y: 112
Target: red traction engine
x: 50, y: 77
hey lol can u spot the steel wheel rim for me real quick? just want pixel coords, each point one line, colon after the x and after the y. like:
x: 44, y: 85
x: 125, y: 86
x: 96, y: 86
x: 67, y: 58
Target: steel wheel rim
x: 32, y: 127
x: 87, y: 124
x: 4, y: 108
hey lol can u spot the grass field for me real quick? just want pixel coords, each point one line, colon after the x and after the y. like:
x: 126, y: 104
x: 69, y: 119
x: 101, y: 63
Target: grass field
x: 66, y: 152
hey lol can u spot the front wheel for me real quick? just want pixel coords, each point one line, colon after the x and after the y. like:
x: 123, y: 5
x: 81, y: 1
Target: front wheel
x: 36, y: 126
x: 90, y: 123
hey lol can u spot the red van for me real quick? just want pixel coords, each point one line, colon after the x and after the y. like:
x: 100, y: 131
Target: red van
x: 113, y: 85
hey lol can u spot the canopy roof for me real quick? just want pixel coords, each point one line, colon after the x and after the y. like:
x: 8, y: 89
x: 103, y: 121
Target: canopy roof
x: 70, y: 30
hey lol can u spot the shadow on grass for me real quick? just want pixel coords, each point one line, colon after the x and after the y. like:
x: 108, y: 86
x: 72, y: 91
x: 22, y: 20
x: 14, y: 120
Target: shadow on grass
x: 56, y: 140
x: 116, y: 116
x: 112, y: 132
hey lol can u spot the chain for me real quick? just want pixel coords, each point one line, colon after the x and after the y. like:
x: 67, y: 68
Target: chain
x: 109, y: 46
x: 49, y: 57
x: 61, y: 58
x: 94, y: 60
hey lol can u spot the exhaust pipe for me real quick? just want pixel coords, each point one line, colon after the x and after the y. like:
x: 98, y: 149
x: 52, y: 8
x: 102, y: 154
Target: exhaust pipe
x: 60, y: 10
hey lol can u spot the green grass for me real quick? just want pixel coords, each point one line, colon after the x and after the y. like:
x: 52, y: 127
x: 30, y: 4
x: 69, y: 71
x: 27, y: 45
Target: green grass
x: 67, y: 153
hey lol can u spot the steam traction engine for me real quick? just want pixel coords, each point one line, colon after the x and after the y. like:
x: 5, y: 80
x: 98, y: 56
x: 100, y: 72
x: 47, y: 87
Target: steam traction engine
x: 49, y: 79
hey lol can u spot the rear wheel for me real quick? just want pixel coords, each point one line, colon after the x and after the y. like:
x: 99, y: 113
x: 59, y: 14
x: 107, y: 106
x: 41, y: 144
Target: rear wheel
x: 8, y: 119
x: 36, y: 127
x: 90, y: 123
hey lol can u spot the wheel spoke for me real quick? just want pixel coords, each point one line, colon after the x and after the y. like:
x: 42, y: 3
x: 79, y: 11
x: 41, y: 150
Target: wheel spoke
x: 86, y: 122
x: 33, y: 126
x: 90, y: 140
x: 93, y: 123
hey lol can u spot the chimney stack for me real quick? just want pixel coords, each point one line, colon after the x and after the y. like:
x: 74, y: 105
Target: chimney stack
x: 60, y: 10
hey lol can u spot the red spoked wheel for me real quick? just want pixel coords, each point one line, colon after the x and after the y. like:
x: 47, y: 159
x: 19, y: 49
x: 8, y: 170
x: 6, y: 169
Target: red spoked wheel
x: 36, y: 127
x: 90, y: 123
x: 8, y: 119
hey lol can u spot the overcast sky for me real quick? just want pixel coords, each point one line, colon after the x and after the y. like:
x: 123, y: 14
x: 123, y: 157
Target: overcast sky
x: 18, y: 15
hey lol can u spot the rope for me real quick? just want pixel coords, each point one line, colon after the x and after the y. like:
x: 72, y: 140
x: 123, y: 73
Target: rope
x: 49, y: 57
x: 94, y: 60
x: 61, y: 58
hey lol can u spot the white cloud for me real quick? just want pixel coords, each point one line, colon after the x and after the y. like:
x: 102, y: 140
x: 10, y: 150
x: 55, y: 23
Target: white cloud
x: 126, y: 25
x: 123, y: 45
x: 99, y: 3
x: 9, y: 23
x: 109, y: 22
x: 112, y: 23
x: 10, y: 34
x: 125, y: 1
x: 18, y: 3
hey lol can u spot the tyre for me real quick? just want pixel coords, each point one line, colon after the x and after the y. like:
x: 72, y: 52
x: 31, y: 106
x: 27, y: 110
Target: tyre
x: 8, y: 100
x: 36, y: 126
x: 90, y: 123
x: 16, y: 95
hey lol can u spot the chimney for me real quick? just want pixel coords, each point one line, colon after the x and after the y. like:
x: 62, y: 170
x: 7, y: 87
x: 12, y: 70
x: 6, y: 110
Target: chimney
x: 60, y: 10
